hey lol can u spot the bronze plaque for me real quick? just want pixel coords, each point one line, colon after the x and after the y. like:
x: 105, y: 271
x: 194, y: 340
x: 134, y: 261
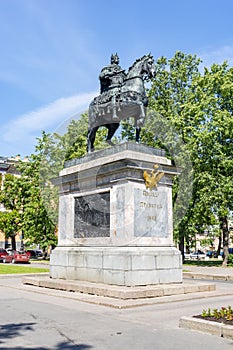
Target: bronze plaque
x: 92, y: 216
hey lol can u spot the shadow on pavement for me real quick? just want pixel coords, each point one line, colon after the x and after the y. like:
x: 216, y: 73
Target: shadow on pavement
x: 68, y: 346
x: 12, y: 330
x: 60, y: 346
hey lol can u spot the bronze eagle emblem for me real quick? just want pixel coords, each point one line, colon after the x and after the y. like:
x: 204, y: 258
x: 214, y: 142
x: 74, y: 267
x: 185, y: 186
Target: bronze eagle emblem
x: 152, y: 179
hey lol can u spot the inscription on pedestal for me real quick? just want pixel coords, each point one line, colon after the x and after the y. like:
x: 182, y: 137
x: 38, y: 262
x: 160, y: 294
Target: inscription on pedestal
x: 150, y: 214
x: 92, y: 216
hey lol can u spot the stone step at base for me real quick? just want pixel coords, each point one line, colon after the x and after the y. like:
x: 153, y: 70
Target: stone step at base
x: 119, y: 292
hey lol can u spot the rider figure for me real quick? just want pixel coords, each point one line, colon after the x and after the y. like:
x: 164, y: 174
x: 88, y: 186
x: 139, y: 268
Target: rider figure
x: 112, y: 75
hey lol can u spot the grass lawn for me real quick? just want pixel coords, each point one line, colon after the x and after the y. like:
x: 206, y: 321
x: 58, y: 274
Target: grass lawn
x: 38, y: 261
x: 12, y: 269
x: 203, y: 263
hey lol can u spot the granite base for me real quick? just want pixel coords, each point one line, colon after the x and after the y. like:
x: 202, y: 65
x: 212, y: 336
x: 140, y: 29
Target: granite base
x: 126, y: 266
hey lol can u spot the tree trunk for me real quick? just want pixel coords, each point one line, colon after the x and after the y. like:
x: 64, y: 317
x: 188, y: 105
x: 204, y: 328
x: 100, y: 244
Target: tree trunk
x: 219, y: 243
x: 225, y: 235
x: 181, y: 247
x: 22, y: 241
x: 13, y: 242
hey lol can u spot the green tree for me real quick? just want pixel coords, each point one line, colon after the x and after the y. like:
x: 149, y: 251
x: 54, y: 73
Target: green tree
x: 212, y: 145
x: 39, y: 219
x: 10, y: 224
x: 12, y: 196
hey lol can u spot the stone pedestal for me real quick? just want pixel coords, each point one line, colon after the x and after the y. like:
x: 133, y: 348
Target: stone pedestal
x: 112, y: 229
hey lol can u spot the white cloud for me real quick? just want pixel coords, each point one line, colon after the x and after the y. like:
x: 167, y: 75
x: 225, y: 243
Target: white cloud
x: 19, y: 135
x: 46, y: 118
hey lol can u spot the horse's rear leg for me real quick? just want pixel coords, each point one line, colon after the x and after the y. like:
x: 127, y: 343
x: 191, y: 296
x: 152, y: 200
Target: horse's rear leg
x: 138, y: 130
x: 111, y: 131
x: 91, y: 139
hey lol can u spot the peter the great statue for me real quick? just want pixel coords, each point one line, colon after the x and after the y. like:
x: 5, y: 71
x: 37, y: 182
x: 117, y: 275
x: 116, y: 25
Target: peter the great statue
x: 122, y: 95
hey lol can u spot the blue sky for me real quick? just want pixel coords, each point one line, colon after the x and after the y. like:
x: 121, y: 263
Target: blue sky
x: 51, y: 53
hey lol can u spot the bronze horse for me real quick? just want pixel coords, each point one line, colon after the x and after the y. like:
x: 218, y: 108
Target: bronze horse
x: 121, y: 101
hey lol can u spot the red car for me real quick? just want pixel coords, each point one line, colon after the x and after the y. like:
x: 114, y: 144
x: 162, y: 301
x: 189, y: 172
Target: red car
x: 16, y: 257
x: 3, y: 253
x: 7, y: 259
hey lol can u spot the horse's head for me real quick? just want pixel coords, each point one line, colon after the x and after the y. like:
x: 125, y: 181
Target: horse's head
x: 148, y: 66
x: 143, y: 66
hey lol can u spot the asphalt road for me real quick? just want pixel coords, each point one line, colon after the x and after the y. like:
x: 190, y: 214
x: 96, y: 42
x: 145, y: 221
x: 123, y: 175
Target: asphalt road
x: 39, y: 319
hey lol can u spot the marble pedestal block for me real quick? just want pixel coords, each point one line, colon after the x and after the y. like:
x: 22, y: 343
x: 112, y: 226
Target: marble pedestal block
x: 112, y: 229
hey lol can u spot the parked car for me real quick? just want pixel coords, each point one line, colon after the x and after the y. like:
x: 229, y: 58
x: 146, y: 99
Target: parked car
x: 16, y: 257
x: 210, y: 253
x: 198, y: 255
x: 33, y: 253
x: 3, y: 253
x: 7, y: 258
x: 187, y: 256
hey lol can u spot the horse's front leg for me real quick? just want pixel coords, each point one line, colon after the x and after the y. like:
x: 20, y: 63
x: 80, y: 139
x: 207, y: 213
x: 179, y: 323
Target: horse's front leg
x: 140, y: 121
x: 142, y: 116
x: 91, y: 138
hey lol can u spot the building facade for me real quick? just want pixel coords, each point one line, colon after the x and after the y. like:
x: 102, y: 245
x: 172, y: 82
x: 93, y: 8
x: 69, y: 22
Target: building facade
x: 8, y: 166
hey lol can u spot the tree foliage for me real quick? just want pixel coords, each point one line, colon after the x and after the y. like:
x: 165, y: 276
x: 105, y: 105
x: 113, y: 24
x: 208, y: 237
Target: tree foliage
x: 199, y: 108
x: 12, y: 196
x: 10, y: 224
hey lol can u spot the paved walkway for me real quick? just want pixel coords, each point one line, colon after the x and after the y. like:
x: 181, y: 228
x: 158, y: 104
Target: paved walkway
x: 42, y: 319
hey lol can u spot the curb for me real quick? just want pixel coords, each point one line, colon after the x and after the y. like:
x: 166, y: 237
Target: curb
x: 29, y: 274
x: 214, y: 328
x: 204, y: 276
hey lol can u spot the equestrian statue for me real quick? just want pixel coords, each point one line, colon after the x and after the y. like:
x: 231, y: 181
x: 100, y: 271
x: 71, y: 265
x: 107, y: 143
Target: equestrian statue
x: 121, y: 96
